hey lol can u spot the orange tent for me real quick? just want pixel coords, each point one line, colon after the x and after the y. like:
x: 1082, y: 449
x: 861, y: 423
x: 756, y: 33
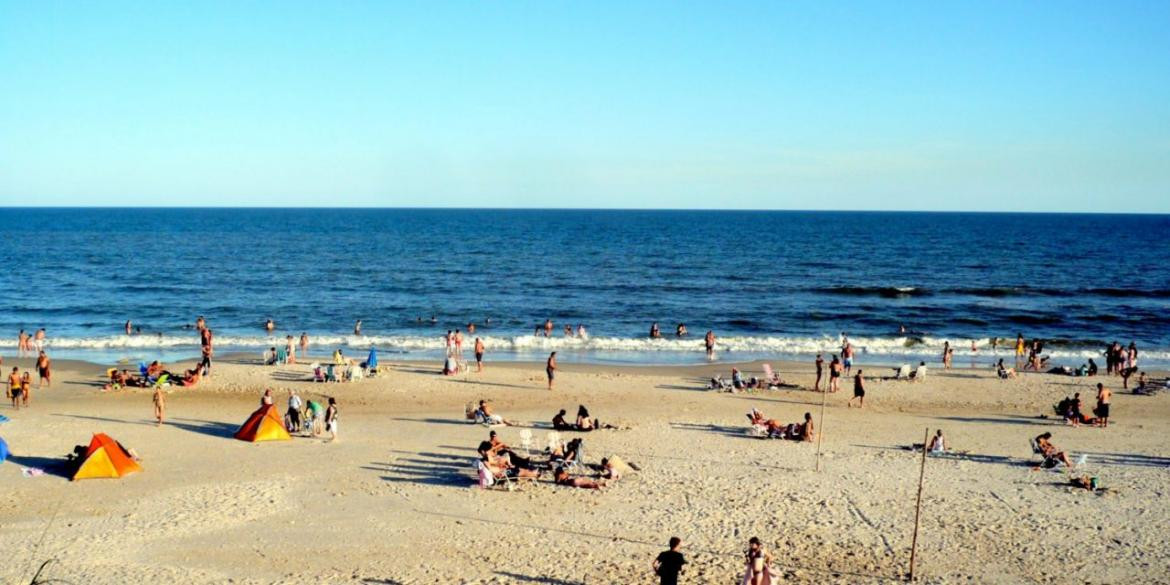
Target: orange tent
x: 264, y: 425
x: 105, y: 458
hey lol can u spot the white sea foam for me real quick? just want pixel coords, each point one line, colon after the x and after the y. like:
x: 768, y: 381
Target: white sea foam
x: 928, y: 348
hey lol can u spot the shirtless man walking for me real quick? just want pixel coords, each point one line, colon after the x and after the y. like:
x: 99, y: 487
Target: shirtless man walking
x: 1104, y: 395
x: 709, y: 341
x: 478, y: 354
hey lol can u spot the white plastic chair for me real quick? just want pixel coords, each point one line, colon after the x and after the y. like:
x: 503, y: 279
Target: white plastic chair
x: 525, y: 440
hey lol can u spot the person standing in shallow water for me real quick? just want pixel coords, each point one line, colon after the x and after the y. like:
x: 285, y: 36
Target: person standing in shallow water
x: 709, y: 342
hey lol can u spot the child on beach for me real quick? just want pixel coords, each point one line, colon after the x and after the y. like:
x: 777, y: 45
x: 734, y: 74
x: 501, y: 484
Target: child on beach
x: 331, y: 419
x: 759, y: 564
x: 160, y: 405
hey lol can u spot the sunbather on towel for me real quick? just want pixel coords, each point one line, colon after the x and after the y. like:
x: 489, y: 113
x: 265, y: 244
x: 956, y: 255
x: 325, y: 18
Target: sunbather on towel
x: 562, y: 477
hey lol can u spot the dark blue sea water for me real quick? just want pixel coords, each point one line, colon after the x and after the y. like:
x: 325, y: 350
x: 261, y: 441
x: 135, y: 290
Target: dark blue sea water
x: 770, y: 284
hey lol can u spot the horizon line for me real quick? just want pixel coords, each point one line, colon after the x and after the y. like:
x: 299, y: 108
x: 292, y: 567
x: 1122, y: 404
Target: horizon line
x: 521, y: 208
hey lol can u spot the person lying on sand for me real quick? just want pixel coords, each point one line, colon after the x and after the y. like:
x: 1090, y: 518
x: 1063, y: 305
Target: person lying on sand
x: 1050, y: 451
x: 562, y: 477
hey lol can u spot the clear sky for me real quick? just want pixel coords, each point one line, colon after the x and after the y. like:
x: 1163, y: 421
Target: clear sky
x: 1044, y: 106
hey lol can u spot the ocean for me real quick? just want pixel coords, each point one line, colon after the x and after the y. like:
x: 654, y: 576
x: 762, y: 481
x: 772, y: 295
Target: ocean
x: 772, y: 285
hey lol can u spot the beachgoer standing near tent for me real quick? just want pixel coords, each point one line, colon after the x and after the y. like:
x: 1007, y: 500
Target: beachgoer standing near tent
x: 550, y: 368
x: 266, y: 400
x: 670, y: 563
x: 331, y: 419
x: 294, y: 411
x: 160, y: 405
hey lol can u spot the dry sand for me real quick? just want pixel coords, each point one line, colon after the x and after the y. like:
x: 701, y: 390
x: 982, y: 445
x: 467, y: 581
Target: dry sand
x: 392, y: 501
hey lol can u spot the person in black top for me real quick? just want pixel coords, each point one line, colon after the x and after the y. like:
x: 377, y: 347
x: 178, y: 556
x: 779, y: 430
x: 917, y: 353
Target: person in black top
x: 670, y: 563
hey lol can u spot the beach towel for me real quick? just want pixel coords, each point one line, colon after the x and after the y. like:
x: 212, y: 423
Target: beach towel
x: 770, y: 574
x: 31, y: 472
x: 3, y: 419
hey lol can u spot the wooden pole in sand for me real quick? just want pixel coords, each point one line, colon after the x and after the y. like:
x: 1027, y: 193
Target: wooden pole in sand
x: 821, y: 428
x: 918, y: 504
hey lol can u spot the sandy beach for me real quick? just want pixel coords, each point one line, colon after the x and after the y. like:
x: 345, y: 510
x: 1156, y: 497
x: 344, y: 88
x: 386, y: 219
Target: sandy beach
x: 393, y: 500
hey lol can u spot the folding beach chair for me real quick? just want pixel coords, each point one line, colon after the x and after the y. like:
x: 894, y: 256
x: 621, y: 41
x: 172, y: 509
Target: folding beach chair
x: 902, y: 373
x: 281, y: 356
x: 525, y: 440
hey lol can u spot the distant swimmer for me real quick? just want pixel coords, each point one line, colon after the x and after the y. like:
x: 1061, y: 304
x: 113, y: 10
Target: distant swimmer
x: 129, y: 327
x: 654, y: 332
x: 357, y: 327
x: 22, y: 345
x: 709, y: 342
x: 581, y: 333
x: 270, y: 326
x: 680, y: 330
x: 304, y: 343
x: 39, y: 340
x: 471, y: 328
x: 548, y: 327
x: 200, y: 323
x: 550, y: 368
x: 568, y: 330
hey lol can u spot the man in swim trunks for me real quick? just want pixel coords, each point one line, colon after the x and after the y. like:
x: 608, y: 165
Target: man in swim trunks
x: 858, y: 390
x: 709, y: 341
x: 847, y: 356
x: 14, y: 391
x: 550, y: 368
x: 835, y: 375
x: 478, y: 354
x: 1104, y: 396
x: 43, y: 365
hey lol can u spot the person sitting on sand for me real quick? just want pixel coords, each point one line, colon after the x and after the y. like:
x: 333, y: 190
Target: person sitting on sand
x: 559, y: 422
x: 1076, y: 412
x: 938, y: 443
x: 805, y: 431
x: 1003, y: 371
x: 1050, y: 451
x: 193, y: 376
x: 1092, y: 371
x: 562, y: 477
x: 485, y: 412
x: 583, y: 421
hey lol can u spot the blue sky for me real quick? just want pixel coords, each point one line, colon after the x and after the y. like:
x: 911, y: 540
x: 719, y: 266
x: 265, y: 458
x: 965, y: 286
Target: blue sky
x: 1036, y: 106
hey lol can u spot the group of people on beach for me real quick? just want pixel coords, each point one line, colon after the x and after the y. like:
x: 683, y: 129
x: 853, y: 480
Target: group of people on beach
x: 759, y: 570
x: 19, y: 388
x: 33, y: 344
